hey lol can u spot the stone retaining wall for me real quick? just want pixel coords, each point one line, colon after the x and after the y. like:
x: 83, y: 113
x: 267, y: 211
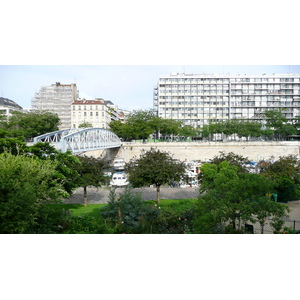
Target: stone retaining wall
x: 255, y: 151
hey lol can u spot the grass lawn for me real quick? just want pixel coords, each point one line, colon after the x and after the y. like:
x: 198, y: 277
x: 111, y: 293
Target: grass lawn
x: 79, y: 209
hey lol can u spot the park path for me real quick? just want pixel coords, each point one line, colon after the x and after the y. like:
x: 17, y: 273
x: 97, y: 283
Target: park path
x: 101, y: 195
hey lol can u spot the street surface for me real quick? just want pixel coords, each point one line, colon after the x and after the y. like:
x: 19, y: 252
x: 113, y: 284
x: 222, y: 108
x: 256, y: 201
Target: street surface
x: 101, y: 195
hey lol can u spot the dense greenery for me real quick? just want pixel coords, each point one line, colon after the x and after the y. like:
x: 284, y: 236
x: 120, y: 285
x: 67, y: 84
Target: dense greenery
x: 30, y: 124
x: 33, y: 177
x: 90, y: 173
x: 154, y: 167
x: 276, y: 127
x: 285, y: 173
x: 141, y: 124
x: 230, y: 197
x: 26, y: 185
x: 128, y: 213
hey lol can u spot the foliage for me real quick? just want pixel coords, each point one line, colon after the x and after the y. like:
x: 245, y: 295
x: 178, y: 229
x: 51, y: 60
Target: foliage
x: 85, y: 125
x: 66, y: 163
x: 188, y: 131
x: 90, y: 173
x: 14, y: 145
x: 31, y: 124
x: 26, y: 184
x: 232, y: 198
x: 83, y: 224
x: 143, y: 123
x: 276, y: 123
x: 122, y: 130
x: 168, y: 127
x: 285, y: 172
x: 210, y: 170
x: 175, y: 218
x: 154, y: 167
x: 264, y: 208
x: 125, y: 212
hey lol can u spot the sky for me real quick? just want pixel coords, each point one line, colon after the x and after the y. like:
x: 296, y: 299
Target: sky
x: 130, y: 87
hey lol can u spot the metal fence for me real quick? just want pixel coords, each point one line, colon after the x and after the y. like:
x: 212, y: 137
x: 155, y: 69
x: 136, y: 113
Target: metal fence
x: 292, y: 225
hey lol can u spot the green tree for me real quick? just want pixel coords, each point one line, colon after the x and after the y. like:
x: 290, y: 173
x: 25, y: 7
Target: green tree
x: 26, y: 185
x: 168, y: 127
x: 31, y: 124
x: 125, y: 212
x: 205, y: 131
x: 154, y: 167
x: 122, y: 130
x: 188, y: 131
x: 91, y: 173
x: 85, y: 125
x: 229, y: 197
x: 143, y: 123
x: 264, y: 208
x: 285, y: 172
x: 233, y: 159
x: 66, y: 163
x: 279, y: 123
x: 14, y: 145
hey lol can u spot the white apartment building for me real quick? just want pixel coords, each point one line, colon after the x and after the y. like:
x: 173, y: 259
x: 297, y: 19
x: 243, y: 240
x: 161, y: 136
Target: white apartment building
x: 57, y: 98
x: 196, y: 99
x: 7, y: 106
x: 94, y: 112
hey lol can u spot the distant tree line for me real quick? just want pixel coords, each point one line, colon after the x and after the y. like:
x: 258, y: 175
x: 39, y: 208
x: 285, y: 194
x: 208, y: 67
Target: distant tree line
x: 275, y: 126
x: 142, y: 124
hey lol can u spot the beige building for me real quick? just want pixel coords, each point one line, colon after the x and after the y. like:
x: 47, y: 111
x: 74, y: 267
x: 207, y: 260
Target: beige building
x: 57, y: 98
x: 94, y: 112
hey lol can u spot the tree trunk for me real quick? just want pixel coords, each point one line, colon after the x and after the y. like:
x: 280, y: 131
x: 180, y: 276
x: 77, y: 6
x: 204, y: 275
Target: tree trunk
x: 119, y: 215
x: 84, y: 196
x: 158, y: 193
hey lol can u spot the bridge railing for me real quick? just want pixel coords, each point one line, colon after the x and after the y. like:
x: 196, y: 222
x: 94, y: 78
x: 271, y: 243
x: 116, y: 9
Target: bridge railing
x: 81, y: 139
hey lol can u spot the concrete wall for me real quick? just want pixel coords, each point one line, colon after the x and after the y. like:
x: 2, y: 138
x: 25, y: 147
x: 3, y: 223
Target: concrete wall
x: 255, y: 151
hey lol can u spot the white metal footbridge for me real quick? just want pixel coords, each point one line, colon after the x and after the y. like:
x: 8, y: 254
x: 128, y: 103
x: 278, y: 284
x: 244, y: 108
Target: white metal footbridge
x: 80, y: 139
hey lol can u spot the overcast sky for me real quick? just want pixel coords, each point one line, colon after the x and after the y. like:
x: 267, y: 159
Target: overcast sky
x: 128, y: 86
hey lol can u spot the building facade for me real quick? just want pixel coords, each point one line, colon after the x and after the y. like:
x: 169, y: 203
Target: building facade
x: 57, y: 98
x: 7, y: 106
x: 196, y: 99
x: 94, y: 112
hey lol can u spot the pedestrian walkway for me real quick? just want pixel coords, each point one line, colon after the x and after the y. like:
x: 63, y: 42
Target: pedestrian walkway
x: 101, y: 195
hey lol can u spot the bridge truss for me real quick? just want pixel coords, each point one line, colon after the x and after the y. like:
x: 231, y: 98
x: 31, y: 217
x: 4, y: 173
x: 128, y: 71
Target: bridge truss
x: 80, y: 139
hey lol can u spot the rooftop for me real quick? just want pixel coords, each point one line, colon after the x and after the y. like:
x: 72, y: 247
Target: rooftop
x: 8, y: 102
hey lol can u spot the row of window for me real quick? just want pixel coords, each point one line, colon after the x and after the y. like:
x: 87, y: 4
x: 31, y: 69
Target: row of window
x: 85, y: 114
x: 225, y: 80
x: 87, y: 107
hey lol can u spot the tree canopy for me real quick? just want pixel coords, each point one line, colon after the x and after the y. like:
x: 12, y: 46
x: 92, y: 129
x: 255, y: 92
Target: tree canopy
x: 90, y: 173
x: 230, y: 198
x: 26, y: 184
x: 154, y: 167
x: 30, y: 124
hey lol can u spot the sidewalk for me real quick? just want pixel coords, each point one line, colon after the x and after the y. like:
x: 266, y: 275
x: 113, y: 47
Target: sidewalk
x: 101, y: 195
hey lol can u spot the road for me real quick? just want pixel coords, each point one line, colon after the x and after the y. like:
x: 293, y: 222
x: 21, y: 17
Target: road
x: 101, y: 195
